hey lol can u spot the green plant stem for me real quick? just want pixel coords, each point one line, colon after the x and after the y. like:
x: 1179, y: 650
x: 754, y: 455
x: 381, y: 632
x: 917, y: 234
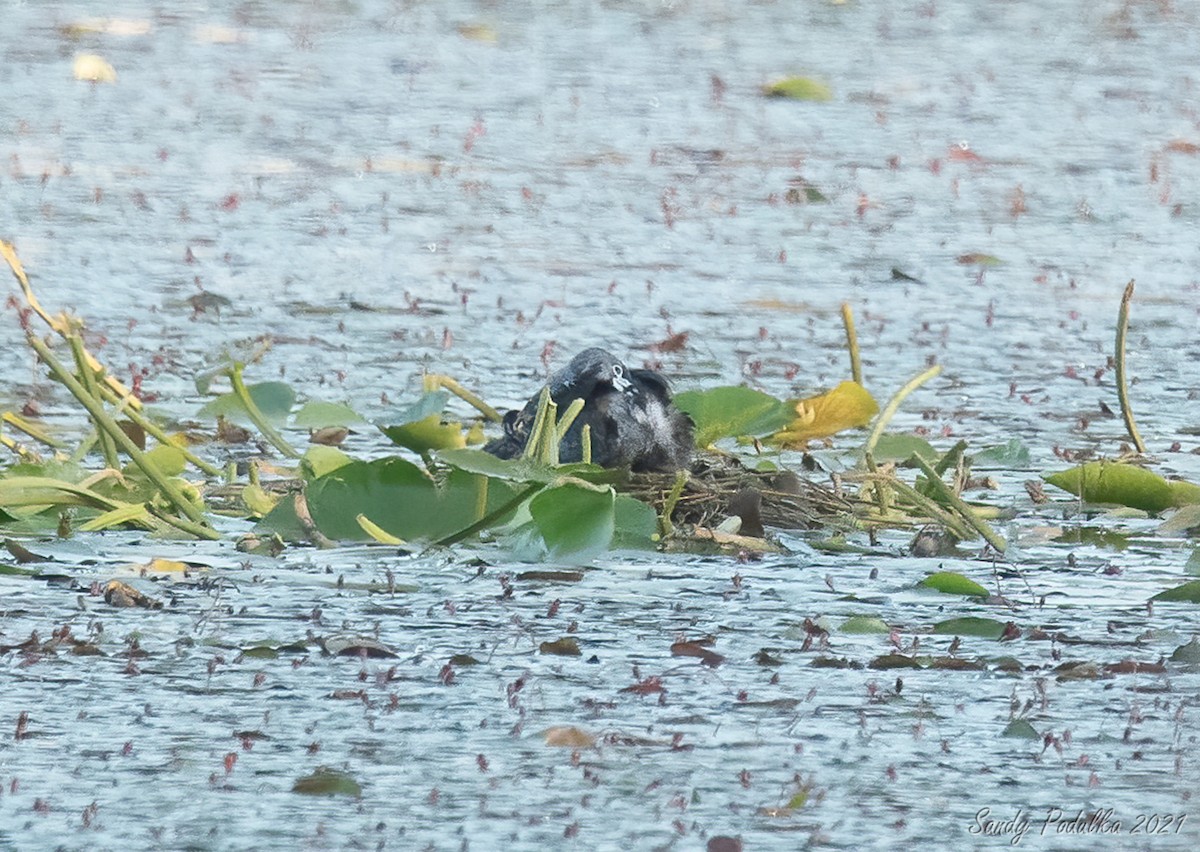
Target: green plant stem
x: 585, y: 443
x: 87, y: 378
x: 564, y: 422
x: 435, y: 381
x: 930, y: 508
x: 1122, y: 386
x: 889, y: 410
x: 156, y: 432
x: 490, y: 518
x: 31, y: 429
x: 269, y: 432
x: 852, y: 343
x: 968, y: 514
x: 106, y: 423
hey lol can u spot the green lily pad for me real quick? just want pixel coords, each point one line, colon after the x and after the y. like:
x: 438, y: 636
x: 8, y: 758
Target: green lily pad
x: 327, y: 782
x: 316, y: 414
x: 1010, y: 455
x: 730, y: 412
x: 635, y: 524
x: 798, y: 89
x: 400, y: 498
x: 274, y: 400
x: 1189, y: 592
x: 1188, y: 653
x: 320, y: 460
x: 1114, y: 482
x: 986, y: 628
x: 1020, y: 729
x: 865, y: 624
x: 524, y: 470
x: 898, y: 447
x: 953, y: 583
x: 1184, y: 493
x: 575, y: 518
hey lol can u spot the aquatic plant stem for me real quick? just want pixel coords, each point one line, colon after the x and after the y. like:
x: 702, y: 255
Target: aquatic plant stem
x: 269, y: 432
x: 436, y: 381
x: 104, y: 422
x: 966, y: 512
x: 852, y: 343
x: 153, y: 430
x: 889, y: 410
x: 1122, y: 386
x: 59, y: 324
x: 490, y: 518
x: 87, y: 377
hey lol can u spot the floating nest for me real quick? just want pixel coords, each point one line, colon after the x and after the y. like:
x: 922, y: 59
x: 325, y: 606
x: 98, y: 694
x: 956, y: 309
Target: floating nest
x: 719, y: 487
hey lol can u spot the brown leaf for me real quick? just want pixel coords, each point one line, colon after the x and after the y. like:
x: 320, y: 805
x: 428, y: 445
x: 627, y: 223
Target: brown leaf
x: 567, y: 736
x: 121, y: 594
x: 694, y: 649
x: 564, y: 647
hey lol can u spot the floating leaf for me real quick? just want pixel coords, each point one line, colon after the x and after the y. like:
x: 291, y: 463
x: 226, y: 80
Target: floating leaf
x: 567, y: 646
x: 121, y: 594
x: 893, y: 661
x: 575, y: 518
x: 567, y: 736
x: 357, y: 646
x: 986, y: 628
x: 1184, y: 493
x: 731, y: 412
x: 799, y: 89
x: 1115, y: 482
x: 401, y: 499
x: 421, y: 428
x: 1189, y: 653
x: 316, y: 414
x: 1184, y: 520
x: 274, y: 400
x: 976, y: 258
x: 893, y: 446
x: 94, y: 69
x: 327, y: 782
x: 635, y: 524
x: 1020, y: 729
x: 321, y: 460
x: 1009, y: 455
x: 953, y: 583
x: 1189, y: 592
x: 847, y: 406
x: 865, y: 624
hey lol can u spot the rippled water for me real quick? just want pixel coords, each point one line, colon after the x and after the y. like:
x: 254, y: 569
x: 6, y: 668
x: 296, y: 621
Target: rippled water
x: 481, y: 189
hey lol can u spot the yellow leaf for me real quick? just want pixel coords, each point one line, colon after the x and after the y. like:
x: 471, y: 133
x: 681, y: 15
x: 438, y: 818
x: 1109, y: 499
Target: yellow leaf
x: 165, y: 566
x: 89, y: 66
x: 845, y: 407
x: 566, y: 736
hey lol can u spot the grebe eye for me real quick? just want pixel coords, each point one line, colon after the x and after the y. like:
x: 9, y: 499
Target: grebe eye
x: 617, y: 370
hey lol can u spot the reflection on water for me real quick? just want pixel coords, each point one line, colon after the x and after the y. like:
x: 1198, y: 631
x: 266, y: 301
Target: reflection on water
x: 389, y: 187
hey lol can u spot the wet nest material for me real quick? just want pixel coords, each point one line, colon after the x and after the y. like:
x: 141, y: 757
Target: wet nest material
x: 719, y: 487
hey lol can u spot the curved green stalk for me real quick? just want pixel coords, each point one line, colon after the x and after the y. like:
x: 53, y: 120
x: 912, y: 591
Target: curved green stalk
x: 155, y: 431
x: 103, y: 421
x: 436, y: 381
x: 87, y: 377
x: 889, y: 410
x: 966, y: 512
x: 1122, y: 386
x: 269, y: 432
x: 852, y: 343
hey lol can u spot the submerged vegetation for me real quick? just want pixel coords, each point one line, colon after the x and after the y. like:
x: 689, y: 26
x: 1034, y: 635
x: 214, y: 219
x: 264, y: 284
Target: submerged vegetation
x: 441, y: 489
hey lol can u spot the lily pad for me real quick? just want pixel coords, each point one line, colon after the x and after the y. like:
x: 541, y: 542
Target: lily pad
x: 1115, y: 482
x: 327, y: 782
x: 731, y: 412
x: 1020, y: 729
x: 401, y: 499
x: 1189, y: 592
x: 575, y: 518
x: 798, y: 89
x: 953, y: 583
x: 900, y: 447
x: 316, y: 414
x: 986, y: 628
x: 865, y: 624
x: 847, y: 406
x: 1010, y: 455
x: 274, y: 400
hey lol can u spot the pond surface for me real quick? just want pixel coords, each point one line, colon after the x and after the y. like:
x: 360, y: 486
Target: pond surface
x: 482, y: 189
